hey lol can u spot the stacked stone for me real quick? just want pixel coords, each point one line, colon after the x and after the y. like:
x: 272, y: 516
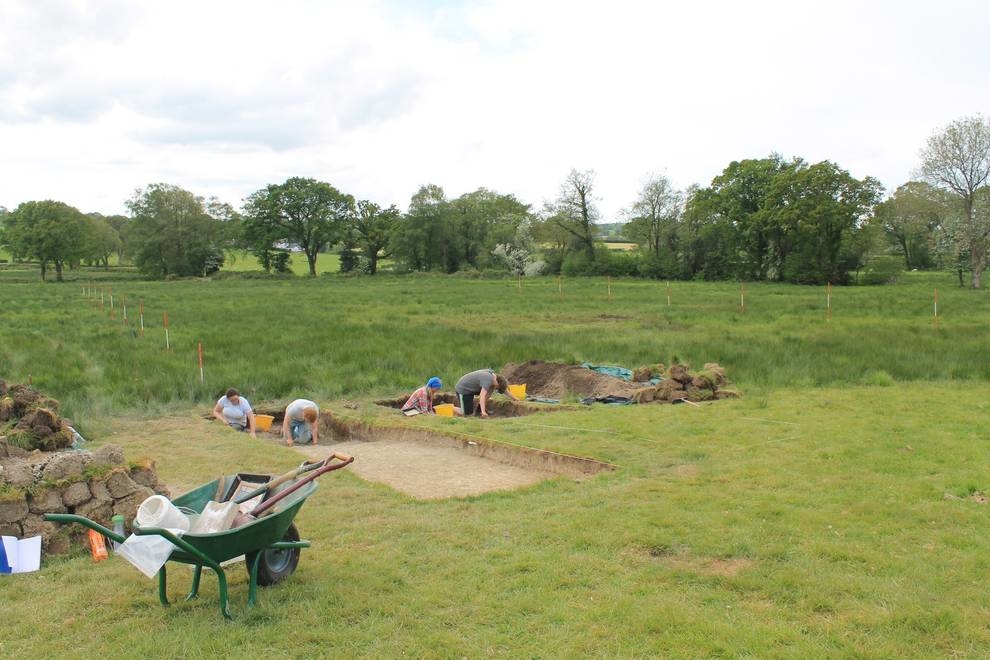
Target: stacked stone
x: 35, y: 483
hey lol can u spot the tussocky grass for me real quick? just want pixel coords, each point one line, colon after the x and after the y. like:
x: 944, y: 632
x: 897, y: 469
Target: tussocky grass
x: 330, y: 337
x: 803, y: 523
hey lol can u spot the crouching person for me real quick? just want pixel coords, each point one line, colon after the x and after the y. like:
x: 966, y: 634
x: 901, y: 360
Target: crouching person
x: 301, y: 422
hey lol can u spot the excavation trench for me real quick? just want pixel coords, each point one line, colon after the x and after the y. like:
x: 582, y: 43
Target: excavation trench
x: 429, y: 464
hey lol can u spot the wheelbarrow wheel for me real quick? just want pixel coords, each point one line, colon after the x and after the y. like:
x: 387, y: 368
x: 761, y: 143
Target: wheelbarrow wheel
x: 276, y: 565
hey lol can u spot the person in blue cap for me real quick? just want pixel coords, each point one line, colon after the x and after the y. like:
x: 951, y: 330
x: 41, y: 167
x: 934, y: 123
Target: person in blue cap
x: 422, y: 399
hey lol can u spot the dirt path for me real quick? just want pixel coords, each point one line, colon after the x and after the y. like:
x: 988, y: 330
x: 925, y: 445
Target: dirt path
x: 427, y: 472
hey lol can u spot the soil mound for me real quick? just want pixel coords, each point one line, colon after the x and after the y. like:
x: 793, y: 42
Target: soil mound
x: 554, y: 380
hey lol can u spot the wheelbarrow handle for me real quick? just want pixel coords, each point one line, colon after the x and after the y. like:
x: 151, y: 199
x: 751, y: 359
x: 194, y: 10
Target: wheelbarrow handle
x: 82, y: 520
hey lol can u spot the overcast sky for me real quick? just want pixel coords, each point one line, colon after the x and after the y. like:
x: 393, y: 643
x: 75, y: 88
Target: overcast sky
x: 100, y: 98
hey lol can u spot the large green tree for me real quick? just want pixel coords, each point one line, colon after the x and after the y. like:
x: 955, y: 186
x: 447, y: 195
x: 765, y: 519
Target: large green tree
x: 48, y: 231
x: 957, y: 159
x: 816, y: 211
x: 778, y: 220
x: 307, y: 213
x: 102, y: 240
x: 373, y: 229
x: 172, y: 234
x: 910, y: 219
x: 424, y: 236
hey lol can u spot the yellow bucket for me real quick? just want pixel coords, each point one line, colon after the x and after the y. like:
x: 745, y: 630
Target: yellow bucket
x: 518, y: 391
x: 444, y: 409
x: 263, y: 422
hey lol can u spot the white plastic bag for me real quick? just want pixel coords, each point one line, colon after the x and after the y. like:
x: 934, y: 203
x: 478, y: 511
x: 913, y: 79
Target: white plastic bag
x: 215, y: 517
x: 147, y: 553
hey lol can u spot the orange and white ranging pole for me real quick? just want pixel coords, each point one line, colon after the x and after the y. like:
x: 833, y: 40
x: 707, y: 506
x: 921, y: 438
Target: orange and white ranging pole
x: 201, y: 362
x: 668, y: 294
x: 165, y: 322
x: 742, y: 297
x: 141, y: 314
x: 828, y: 301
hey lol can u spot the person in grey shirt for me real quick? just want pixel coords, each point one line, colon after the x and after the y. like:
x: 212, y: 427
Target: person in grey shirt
x: 479, y: 384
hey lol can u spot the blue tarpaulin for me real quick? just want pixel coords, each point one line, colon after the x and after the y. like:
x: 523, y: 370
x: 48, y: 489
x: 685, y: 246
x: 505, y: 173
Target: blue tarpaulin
x: 618, y: 372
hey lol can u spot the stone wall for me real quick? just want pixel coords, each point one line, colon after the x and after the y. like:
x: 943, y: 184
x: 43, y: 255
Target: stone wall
x: 97, y: 484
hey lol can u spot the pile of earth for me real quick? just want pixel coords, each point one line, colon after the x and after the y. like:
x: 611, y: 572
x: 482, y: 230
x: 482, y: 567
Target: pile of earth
x: 554, y: 380
x: 30, y: 420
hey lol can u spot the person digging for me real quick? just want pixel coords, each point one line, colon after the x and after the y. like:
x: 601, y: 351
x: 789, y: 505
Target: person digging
x: 481, y: 384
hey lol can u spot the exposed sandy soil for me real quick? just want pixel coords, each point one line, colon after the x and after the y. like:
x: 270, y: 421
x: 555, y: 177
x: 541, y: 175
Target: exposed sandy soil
x: 427, y: 472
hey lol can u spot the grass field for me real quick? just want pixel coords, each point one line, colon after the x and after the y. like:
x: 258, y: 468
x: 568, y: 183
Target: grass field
x: 827, y: 513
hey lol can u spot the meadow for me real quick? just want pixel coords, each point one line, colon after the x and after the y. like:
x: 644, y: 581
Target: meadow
x: 829, y: 512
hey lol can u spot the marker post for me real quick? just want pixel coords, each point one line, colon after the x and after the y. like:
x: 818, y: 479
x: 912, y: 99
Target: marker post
x: 936, y: 308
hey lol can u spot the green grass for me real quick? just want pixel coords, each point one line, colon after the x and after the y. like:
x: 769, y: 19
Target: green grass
x: 825, y: 514
x: 239, y: 261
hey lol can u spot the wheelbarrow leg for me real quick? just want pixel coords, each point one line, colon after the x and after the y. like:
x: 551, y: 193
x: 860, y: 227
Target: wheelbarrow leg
x: 253, y: 582
x: 194, y: 589
x: 162, y: 593
x: 222, y: 579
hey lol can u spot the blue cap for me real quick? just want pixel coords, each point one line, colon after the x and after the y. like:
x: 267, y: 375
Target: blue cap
x: 433, y: 382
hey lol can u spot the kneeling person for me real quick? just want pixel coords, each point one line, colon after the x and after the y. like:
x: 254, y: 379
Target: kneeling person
x: 301, y: 422
x: 234, y: 410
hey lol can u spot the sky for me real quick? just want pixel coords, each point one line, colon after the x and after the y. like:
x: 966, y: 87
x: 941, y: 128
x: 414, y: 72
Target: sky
x: 99, y: 99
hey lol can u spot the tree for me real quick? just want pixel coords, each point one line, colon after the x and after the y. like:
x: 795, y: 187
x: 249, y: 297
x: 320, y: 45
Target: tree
x: 654, y: 217
x: 910, y: 218
x: 48, y: 231
x: 575, y: 212
x: 958, y: 159
x: 102, y: 240
x: 304, y: 212
x: 819, y: 208
x: 374, y: 228
x: 171, y: 233
x: 423, y: 240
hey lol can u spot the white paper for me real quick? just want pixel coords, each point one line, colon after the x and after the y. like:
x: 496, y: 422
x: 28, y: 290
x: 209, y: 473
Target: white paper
x: 24, y: 555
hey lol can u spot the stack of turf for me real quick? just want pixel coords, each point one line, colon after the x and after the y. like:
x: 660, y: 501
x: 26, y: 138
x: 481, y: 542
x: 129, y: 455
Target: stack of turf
x: 680, y: 384
x: 30, y: 420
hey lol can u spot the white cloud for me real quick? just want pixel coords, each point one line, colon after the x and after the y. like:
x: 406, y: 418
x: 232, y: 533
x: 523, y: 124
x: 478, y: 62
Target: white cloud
x: 223, y: 98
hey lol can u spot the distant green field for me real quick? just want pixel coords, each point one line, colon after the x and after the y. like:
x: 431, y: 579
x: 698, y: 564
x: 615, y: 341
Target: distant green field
x: 240, y: 261
x: 833, y: 511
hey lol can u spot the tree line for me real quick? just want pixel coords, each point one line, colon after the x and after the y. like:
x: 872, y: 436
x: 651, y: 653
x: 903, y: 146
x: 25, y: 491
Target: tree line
x: 769, y: 219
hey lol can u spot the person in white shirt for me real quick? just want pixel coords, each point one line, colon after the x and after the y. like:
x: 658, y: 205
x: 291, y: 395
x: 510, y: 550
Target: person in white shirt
x: 235, y: 411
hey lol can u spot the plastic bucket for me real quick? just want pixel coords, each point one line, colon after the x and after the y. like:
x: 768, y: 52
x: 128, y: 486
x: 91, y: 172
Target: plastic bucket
x: 263, y: 422
x: 518, y: 391
x: 444, y: 409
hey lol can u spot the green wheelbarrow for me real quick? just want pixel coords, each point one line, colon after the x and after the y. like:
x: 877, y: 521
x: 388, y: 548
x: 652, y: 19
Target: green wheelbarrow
x: 266, y: 535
